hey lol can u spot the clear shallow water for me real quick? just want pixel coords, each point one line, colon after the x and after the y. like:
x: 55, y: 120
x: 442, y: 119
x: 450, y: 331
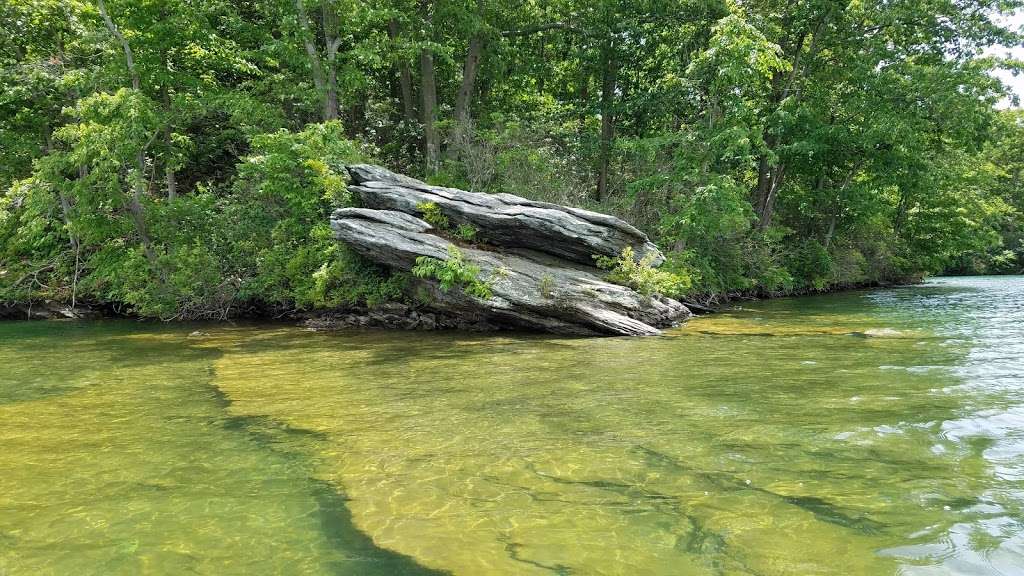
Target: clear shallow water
x: 867, y: 433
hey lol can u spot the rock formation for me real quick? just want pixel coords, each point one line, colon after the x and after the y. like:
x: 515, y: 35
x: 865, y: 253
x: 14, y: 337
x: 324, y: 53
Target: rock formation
x: 537, y: 258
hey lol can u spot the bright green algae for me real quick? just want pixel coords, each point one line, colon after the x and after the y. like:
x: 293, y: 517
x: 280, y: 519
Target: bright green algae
x: 866, y: 433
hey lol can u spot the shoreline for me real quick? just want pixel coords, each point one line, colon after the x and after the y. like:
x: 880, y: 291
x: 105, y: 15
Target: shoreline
x: 391, y: 316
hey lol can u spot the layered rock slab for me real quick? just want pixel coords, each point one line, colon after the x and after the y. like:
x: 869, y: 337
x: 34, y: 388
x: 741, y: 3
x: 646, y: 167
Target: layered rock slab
x: 530, y: 289
x: 505, y: 219
x: 537, y: 257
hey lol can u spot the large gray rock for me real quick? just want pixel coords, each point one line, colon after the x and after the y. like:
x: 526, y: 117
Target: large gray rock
x: 506, y: 220
x: 531, y: 289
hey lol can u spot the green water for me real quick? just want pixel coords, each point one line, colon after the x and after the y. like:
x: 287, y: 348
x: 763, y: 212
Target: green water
x: 868, y: 433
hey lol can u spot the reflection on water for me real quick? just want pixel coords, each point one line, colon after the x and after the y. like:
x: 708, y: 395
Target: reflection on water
x: 867, y: 433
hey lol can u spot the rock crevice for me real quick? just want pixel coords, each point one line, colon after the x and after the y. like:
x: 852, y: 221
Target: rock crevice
x: 538, y: 262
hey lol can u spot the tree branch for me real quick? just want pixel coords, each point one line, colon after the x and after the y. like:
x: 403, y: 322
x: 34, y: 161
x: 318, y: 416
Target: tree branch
x: 307, y: 42
x: 116, y: 32
x: 539, y: 28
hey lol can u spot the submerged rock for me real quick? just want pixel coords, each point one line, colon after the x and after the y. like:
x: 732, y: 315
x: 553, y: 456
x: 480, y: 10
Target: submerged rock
x: 537, y: 260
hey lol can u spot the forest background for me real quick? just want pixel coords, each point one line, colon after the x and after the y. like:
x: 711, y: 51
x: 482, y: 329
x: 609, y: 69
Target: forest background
x: 180, y: 158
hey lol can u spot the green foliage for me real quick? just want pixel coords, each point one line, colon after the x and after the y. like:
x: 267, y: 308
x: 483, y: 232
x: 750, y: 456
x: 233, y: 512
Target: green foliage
x: 1000, y: 173
x: 348, y: 280
x: 466, y: 232
x: 811, y: 263
x: 511, y: 157
x: 453, y: 272
x: 282, y: 195
x: 433, y: 215
x: 768, y: 147
x: 639, y: 275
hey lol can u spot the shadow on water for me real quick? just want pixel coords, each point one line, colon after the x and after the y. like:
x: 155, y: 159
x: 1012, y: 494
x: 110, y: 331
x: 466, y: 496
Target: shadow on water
x: 151, y: 392
x: 36, y: 368
x: 821, y: 509
x: 386, y: 348
x: 335, y: 519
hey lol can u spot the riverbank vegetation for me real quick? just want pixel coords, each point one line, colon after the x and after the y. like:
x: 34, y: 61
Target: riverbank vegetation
x: 180, y: 159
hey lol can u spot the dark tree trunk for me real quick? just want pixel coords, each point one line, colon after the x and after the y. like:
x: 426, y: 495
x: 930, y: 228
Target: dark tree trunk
x: 469, y: 69
x: 608, y: 83
x: 464, y: 96
x: 773, y: 181
x: 170, y: 176
x: 428, y: 90
x: 404, y: 79
x: 428, y: 96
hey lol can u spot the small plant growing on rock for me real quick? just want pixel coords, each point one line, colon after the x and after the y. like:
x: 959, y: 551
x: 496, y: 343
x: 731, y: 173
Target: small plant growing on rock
x: 466, y: 232
x: 433, y: 215
x: 453, y: 271
x: 641, y: 276
x: 500, y: 272
x: 547, y: 286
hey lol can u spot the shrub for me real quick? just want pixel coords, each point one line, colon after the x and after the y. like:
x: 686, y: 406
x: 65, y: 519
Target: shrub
x: 810, y: 265
x: 641, y: 276
x: 1006, y: 262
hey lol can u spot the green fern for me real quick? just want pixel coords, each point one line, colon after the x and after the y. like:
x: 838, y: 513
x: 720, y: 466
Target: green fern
x: 433, y: 215
x: 453, y: 272
x: 466, y: 232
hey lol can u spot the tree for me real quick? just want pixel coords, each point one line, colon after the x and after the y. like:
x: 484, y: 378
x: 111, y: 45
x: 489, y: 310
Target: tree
x: 179, y: 158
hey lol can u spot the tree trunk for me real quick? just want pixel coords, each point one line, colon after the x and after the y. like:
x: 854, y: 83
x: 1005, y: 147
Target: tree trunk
x: 767, y: 173
x: 170, y: 176
x: 769, y: 178
x: 404, y: 78
x: 608, y: 81
x: 465, y: 94
x: 116, y: 33
x: 330, y: 23
x: 65, y: 208
x: 901, y: 212
x: 138, y: 213
x: 839, y: 200
x: 584, y: 103
x: 761, y: 189
x: 774, y: 177
x: 308, y: 42
x: 428, y: 90
x: 135, y: 207
x: 543, y: 58
x: 428, y: 96
x: 831, y: 230
x: 65, y: 203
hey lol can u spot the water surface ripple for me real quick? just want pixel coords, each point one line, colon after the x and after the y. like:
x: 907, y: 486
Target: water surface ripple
x: 867, y: 433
